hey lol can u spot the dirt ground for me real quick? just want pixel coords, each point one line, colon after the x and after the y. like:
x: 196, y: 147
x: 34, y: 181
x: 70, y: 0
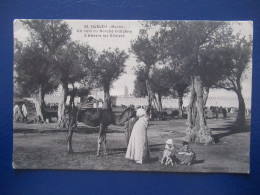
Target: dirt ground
x: 42, y: 146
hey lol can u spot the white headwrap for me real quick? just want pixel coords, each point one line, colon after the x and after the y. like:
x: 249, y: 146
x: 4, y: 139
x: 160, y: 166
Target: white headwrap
x: 140, y: 112
x: 169, y: 141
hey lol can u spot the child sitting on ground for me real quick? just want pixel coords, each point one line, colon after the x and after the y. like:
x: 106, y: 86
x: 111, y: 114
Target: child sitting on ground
x: 168, y: 153
x: 185, y: 155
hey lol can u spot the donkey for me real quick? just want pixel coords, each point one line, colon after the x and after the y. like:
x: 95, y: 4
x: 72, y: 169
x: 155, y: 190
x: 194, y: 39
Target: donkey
x: 97, y: 117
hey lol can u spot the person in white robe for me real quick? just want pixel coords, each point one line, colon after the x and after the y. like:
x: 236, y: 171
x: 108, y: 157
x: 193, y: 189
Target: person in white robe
x: 138, y: 148
x: 17, y: 114
x: 24, y: 111
x: 16, y: 110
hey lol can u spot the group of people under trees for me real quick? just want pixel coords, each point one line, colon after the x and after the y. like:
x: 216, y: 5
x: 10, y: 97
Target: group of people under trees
x: 215, y: 111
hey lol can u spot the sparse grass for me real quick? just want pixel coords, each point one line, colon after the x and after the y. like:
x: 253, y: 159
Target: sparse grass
x: 42, y: 146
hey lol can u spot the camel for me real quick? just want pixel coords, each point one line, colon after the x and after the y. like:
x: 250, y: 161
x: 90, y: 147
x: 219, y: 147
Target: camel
x: 97, y: 117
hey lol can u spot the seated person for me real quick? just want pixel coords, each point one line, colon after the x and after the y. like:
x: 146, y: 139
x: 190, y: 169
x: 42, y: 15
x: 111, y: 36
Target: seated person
x: 185, y: 155
x: 169, y: 153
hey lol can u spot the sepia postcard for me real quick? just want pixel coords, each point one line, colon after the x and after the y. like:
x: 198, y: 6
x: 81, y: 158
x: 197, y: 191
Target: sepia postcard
x: 129, y: 95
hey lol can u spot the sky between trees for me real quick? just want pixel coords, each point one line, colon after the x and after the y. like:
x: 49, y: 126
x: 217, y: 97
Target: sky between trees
x: 100, y: 43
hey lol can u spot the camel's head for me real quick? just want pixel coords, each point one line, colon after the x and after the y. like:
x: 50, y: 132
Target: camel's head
x: 126, y: 115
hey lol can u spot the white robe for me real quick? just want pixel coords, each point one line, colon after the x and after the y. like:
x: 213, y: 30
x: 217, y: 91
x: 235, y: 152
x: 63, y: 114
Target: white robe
x: 24, y: 110
x: 16, y: 110
x: 138, y: 148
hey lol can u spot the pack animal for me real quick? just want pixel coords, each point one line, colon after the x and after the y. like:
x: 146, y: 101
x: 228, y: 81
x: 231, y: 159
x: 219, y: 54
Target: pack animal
x: 94, y: 118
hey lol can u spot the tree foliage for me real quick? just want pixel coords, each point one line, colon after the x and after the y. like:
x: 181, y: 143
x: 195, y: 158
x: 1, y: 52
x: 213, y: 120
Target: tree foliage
x: 109, y: 66
x: 159, y: 80
x: 145, y: 50
x: 68, y: 66
x: 50, y: 34
x: 32, y: 69
x: 140, y: 88
x: 238, y: 59
x: 183, y: 44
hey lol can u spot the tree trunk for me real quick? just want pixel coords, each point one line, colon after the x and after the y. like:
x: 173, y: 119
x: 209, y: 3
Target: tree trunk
x: 73, y: 93
x: 72, y: 104
x: 241, y: 118
x: 205, y: 95
x: 191, y: 107
x: 107, y: 99
x: 39, y: 105
x: 205, y: 98
x: 62, y: 122
x: 149, y: 93
x: 159, y: 102
x: 152, y: 101
x: 197, y: 130
x: 180, y: 102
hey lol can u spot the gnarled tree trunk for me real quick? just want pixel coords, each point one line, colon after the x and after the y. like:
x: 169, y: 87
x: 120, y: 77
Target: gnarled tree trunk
x: 39, y: 104
x: 62, y: 122
x: 241, y: 117
x: 151, y: 96
x: 197, y: 130
x: 205, y: 98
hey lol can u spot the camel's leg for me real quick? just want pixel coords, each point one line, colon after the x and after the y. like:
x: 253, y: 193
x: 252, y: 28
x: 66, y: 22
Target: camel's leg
x: 100, y: 138
x: 104, y: 142
x: 69, y: 137
x: 70, y: 140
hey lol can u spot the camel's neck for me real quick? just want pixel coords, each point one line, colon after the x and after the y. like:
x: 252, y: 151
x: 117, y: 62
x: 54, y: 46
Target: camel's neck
x: 125, y: 116
x: 119, y: 120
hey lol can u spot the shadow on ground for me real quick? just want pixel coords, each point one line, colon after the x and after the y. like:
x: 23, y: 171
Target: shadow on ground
x: 230, y: 129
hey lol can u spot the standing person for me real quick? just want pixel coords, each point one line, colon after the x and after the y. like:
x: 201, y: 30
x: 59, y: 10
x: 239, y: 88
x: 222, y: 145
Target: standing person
x: 17, y: 114
x: 216, y: 113
x: 16, y: 110
x: 138, y: 148
x: 224, y: 113
x: 128, y: 128
x: 25, y: 112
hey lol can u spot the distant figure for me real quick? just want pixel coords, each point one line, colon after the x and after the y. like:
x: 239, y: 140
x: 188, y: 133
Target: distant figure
x: 16, y: 110
x: 105, y: 105
x: 247, y: 111
x: 25, y: 112
x: 175, y: 114
x: 100, y: 104
x: 17, y: 113
x: 224, y: 112
x: 90, y: 99
x: 216, y: 113
x: 228, y: 109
